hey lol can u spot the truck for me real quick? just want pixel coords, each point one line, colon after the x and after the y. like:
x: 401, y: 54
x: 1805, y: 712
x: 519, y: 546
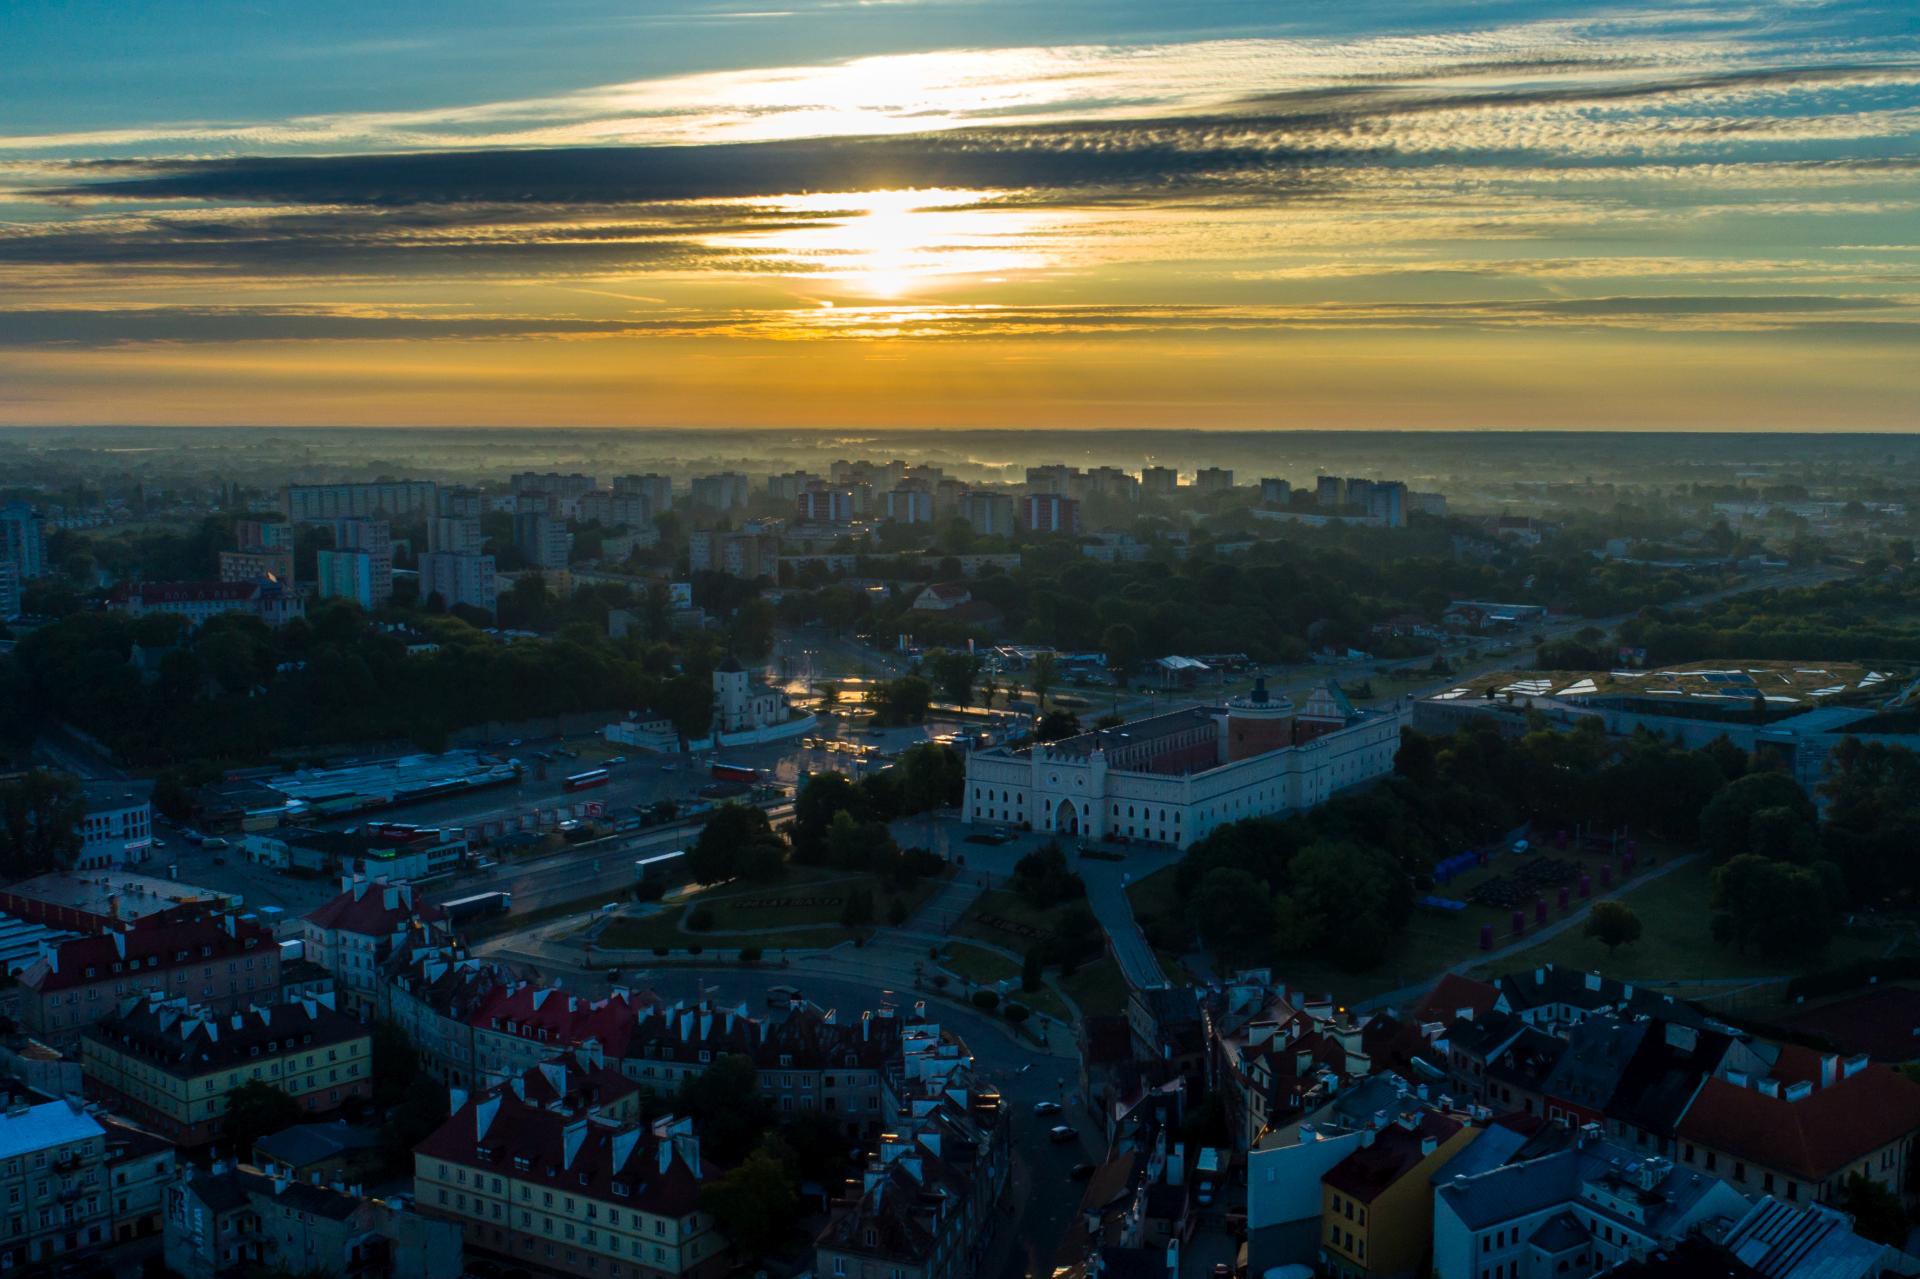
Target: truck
x: 724, y: 772
x: 462, y: 909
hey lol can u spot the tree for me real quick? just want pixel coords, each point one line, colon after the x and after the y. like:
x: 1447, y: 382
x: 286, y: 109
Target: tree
x: 955, y: 673
x: 1044, y: 667
x: 254, y: 1110
x: 40, y: 816
x: 421, y: 1109
x: 1056, y: 725
x: 858, y: 911
x: 1232, y: 912
x: 1773, y: 908
x: 1030, y: 969
x: 754, y: 1205
x: 1121, y: 643
x: 727, y: 1107
x: 395, y: 1063
x: 932, y: 776
x: 736, y: 843
x: 1727, y: 822
x: 1876, y: 1210
x: 904, y: 700
x: 1613, y: 924
x: 1043, y: 879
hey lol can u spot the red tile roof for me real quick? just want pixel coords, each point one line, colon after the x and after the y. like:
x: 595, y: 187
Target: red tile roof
x: 552, y: 1015
x: 608, y: 1152
x: 1444, y: 1001
x: 157, y: 943
x: 1395, y: 1152
x: 363, y: 909
x: 1814, y: 1137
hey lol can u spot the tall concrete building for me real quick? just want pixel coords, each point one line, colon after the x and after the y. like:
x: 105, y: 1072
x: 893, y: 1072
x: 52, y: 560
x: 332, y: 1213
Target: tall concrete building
x: 726, y: 491
x: 1213, y: 479
x: 1050, y: 513
x: 456, y: 534
x: 306, y: 502
x: 22, y: 540
x: 988, y: 514
x: 459, y: 579
x: 345, y: 575
x: 657, y: 489
x: 542, y: 539
x: 1275, y: 492
x: 1159, y: 481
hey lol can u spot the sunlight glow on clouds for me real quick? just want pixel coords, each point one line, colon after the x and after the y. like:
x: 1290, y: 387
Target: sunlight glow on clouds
x: 1709, y: 188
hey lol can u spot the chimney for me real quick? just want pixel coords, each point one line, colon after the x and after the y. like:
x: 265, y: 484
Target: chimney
x: 1829, y: 1069
x: 1427, y: 1146
x: 1853, y: 1066
x: 623, y: 1143
x: 1768, y: 1087
x: 573, y: 1136
x: 483, y: 1116
x: 1799, y: 1090
x: 1539, y: 976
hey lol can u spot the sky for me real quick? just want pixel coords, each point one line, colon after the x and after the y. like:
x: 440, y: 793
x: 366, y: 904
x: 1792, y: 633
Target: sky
x: 948, y: 213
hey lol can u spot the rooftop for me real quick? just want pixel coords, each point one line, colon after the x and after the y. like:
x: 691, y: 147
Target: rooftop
x: 24, y: 1129
x: 1787, y: 687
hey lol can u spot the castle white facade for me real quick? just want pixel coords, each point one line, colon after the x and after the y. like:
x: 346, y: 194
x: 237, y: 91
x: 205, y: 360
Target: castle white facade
x: 1172, y: 778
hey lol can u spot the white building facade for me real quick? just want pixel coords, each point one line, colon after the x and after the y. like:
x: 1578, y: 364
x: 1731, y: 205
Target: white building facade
x: 1173, y: 778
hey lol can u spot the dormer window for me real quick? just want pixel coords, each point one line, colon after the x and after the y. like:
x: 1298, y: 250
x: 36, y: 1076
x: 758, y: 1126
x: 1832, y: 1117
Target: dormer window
x: 873, y: 1237
x: 620, y: 1188
x: 786, y: 1059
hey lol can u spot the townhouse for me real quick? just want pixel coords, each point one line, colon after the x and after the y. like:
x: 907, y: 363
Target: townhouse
x: 1578, y: 1209
x: 516, y: 1026
x: 432, y: 995
x: 236, y: 1219
x: 1377, y: 1203
x: 52, y: 1174
x: 139, y: 1164
x: 927, y: 1204
x: 1800, y: 1130
x: 354, y: 933
x: 170, y: 1064
x: 554, y: 1170
x: 215, y: 958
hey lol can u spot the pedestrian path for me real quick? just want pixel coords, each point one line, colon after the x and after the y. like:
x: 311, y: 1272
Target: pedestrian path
x: 1107, y: 896
x: 940, y: 912
x: 1480, y: 959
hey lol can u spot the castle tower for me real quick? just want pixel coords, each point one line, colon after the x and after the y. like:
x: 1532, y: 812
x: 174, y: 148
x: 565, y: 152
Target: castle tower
x: 1257, y: 723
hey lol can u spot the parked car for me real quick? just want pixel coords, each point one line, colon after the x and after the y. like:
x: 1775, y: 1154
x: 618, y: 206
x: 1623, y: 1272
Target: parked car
x: 1046, y: 1107
x: 214, y: 843
x: 617, y: 759
x: 1061, y: 1132
x: 1081, y: 1172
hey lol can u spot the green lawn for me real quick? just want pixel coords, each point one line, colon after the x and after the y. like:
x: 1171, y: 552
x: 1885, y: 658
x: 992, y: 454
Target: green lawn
x: 803, y: 908
x: 1010, y: 907
x: 1676, y: 943
x: 1098, y: 988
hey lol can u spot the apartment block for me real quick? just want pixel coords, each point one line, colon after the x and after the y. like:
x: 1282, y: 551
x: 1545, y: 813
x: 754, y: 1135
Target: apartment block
x: 52, y: 1173
x: 554, y: 1170
x: 459, y: 579
x: 170, y: 1064
x: 214, y: 958
x: 304, y: 502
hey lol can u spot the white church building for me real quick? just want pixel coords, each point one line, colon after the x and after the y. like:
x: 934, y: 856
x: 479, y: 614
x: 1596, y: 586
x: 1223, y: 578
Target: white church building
x: 1172, y: 778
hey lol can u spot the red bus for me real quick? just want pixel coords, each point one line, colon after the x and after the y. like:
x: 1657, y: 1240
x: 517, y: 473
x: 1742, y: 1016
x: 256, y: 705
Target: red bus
x: 592, y: 777
x: 733, y: 772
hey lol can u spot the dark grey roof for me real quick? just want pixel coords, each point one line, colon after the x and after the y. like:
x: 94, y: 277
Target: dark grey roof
x: 1596, y: 1057
x: 305, y: 1144
x: 1514, y: 1190
x: 1559, y: 1233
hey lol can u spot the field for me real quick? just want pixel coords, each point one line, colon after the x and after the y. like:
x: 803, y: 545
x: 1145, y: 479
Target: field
x: 802, y: 908
x: 1676, y: 947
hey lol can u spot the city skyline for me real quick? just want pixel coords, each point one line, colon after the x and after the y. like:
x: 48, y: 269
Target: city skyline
x: 934, y: 214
